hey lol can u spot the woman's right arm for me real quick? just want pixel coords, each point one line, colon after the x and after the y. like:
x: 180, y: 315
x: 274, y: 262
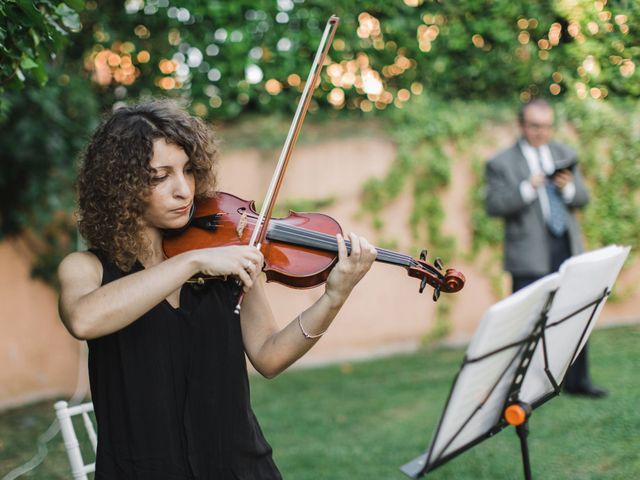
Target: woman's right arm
x: 90, y: 310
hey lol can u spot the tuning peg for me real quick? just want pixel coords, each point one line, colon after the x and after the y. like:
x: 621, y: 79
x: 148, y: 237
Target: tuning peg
x: 438, y: 263
x: 423, y: 254
x: 436, y: 294
x: 423, y: 284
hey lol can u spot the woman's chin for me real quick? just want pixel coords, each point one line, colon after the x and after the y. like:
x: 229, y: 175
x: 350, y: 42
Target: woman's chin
x: 173, y: 225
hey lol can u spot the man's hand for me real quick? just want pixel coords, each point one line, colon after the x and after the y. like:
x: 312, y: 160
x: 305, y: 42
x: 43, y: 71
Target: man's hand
x: 562, y: 178
x: 537, y: 180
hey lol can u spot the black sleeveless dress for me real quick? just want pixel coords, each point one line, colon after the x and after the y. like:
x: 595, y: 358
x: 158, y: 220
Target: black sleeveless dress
x: 171, y: 393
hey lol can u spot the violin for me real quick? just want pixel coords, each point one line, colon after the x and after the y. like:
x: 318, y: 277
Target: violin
x: 299, y: 250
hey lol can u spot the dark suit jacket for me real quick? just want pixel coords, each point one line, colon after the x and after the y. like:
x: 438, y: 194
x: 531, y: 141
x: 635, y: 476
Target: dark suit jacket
x: 526, y: 248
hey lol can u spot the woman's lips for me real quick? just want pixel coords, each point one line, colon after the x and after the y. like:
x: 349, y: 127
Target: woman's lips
x: 182, y: 210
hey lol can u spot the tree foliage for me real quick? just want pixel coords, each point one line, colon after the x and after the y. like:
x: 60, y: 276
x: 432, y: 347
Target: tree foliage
x: 31, y: 32
x: 234, y: 57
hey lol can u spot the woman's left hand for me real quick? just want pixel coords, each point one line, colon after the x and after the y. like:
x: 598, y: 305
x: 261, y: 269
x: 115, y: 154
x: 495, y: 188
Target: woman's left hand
x: 351, y: 267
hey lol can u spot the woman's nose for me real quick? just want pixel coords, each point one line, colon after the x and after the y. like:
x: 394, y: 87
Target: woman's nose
x: 183, y: 187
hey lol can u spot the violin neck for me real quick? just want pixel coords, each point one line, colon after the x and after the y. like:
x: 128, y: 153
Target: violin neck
x: 321, y: 241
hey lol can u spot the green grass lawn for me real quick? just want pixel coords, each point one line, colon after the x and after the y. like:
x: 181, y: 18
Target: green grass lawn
x: 363, y: 420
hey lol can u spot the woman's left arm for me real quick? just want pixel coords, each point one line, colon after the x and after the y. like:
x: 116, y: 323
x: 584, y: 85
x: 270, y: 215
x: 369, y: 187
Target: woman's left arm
x: 270, y: 349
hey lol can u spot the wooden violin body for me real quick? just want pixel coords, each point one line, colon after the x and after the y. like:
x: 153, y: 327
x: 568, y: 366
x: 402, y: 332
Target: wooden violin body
x: 228, y: 220
x: 299, y: 250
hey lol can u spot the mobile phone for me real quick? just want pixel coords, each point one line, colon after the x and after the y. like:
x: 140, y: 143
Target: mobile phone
x: 563, y: 164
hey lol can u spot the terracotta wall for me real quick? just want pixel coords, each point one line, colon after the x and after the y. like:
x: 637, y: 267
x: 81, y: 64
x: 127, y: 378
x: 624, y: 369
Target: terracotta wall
x: 385, y: 313
x: 38, y: 358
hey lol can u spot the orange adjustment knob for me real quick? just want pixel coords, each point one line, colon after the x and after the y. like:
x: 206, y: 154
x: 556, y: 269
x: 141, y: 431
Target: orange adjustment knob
x: 515, y: 414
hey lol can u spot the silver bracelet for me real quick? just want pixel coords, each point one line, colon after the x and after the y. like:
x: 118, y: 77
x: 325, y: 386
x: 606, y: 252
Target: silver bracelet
x: 304, y: 332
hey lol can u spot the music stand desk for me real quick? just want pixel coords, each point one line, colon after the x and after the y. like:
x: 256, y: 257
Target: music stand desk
x: 519, y: 355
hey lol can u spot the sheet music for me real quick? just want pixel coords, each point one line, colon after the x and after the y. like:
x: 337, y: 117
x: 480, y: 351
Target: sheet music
x: 584, y: 279
x: 497, y: 329
x: 482, y: 386
x: 477, y: 393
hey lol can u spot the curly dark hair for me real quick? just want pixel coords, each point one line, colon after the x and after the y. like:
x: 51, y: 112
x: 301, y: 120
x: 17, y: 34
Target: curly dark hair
x: 115, y: 178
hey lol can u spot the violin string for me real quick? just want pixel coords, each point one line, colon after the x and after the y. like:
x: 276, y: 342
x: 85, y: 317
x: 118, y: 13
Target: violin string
x: 326, y: 240
x: 318, y: 236
x: 330, y: 241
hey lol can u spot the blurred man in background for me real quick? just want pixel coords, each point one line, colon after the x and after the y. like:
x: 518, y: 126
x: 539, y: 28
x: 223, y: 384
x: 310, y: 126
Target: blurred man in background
x: 536, y: 187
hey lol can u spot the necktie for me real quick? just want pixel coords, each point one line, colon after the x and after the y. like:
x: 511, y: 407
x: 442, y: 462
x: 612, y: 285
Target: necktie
x: 557, y: 221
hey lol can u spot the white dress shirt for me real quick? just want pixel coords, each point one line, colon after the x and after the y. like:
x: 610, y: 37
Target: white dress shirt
x: 528, y: 193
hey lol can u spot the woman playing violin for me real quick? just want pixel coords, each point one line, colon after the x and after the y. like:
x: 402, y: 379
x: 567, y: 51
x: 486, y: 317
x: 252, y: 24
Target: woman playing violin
x: 167, y: 360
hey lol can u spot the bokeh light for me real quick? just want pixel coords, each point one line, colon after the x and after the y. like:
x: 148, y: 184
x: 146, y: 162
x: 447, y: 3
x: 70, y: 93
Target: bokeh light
x: 523, y: 37
x: 336, y: 97
x: 477, y: 40
x: 369, y: 26
x: 253, y: 73
x: 273, y: 86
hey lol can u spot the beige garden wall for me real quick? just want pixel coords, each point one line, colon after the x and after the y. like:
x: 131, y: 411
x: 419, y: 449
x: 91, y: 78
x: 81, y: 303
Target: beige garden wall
x: 385, y: 313
x: 38, y: 358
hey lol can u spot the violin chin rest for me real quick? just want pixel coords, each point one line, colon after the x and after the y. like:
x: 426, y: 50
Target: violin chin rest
x: 172, y: 232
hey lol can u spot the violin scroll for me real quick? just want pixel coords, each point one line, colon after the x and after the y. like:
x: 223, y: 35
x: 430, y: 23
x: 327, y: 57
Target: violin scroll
x: 454, y: 280
x: 450, y: 282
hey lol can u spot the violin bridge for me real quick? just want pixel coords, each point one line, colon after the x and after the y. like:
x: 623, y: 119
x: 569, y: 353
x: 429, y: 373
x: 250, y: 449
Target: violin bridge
x: 242, y: 223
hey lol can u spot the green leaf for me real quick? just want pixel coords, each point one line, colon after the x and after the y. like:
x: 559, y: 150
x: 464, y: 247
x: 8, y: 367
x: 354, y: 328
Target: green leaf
x: 41, y: 75
x: 77, y: 5
x: 70, y: 18
x: 35, y: 37
x: 27, y: 63
x: 30, y: 10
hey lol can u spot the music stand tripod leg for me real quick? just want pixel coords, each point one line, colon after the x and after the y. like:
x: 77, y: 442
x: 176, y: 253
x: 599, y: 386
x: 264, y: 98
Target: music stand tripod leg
x: 523, y: 431
x: 517, y: 414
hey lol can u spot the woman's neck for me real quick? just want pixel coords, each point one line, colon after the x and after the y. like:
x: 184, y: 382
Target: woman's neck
x: 154, y: 254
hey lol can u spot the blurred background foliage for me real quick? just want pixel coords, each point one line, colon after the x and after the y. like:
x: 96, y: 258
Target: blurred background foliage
x: 30, y: 34
x: 433, y: 72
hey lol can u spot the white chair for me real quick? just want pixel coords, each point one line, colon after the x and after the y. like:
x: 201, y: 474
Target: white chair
x: 64, y: 412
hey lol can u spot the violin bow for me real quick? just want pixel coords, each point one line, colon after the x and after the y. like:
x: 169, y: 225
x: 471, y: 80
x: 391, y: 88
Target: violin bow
x: 260, y: 230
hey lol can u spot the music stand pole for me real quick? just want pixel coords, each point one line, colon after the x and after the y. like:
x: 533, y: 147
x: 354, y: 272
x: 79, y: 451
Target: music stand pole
x: 523, y: 431
x: 517, y: 414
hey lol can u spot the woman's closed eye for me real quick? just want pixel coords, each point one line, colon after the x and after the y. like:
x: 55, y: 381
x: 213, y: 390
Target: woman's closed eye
x: 159, y: 178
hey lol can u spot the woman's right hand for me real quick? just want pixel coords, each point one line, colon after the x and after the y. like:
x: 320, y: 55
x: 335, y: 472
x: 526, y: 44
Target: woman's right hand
x: 243, y: 262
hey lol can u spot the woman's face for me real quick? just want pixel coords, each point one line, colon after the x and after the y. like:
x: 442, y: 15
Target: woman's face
x: 173, y: 186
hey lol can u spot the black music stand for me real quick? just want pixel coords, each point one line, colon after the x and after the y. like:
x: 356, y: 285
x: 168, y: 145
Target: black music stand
x: 518, y: 357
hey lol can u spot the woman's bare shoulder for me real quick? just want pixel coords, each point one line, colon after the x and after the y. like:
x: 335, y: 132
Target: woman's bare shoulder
x: 79, y: 266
